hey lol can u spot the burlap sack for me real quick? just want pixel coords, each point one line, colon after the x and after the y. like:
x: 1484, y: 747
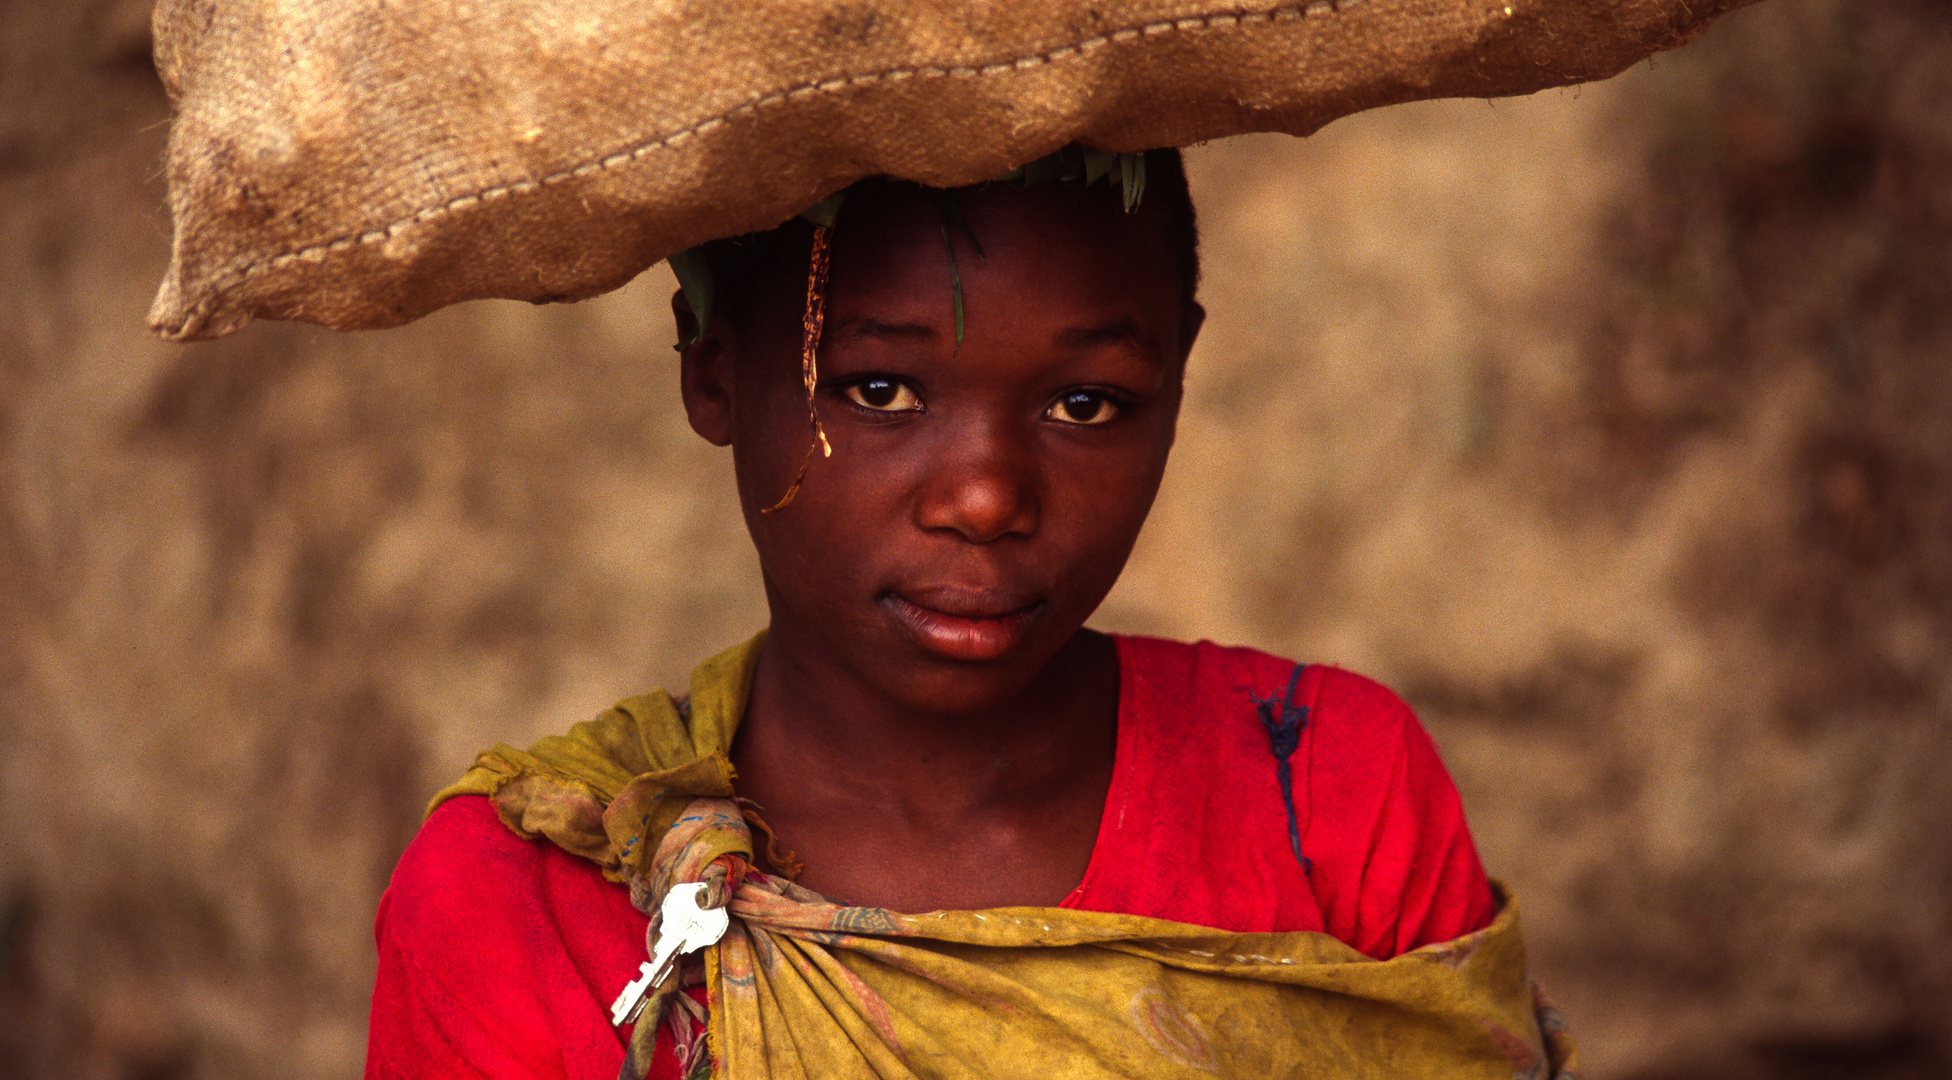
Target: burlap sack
x: 359, y: 163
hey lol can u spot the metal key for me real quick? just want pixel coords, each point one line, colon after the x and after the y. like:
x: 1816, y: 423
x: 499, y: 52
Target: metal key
x: 684, y: 928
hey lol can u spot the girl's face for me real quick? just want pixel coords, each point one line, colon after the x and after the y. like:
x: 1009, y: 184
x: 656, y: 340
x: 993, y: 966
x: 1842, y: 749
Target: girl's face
x: 980, y: 501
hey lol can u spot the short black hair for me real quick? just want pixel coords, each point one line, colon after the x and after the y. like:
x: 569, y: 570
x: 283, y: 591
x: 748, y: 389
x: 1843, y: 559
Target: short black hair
x: 736, y: 263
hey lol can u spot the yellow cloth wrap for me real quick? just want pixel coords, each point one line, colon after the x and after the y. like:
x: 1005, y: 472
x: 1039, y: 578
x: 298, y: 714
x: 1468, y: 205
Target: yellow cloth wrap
x: 803, y: 987
x: 610, y: 789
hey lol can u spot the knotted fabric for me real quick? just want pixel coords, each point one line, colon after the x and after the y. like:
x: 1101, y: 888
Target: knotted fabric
x: 801, y: 986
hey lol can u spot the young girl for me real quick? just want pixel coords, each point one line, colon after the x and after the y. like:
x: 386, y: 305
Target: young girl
x: 956, y: 832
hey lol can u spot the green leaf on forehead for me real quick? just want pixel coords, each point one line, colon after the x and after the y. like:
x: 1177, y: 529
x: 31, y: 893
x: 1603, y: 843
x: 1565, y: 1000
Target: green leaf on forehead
x: 1131, y: 168
x: 955, y: 281
x: 951, y: 209
x: 694, y: 276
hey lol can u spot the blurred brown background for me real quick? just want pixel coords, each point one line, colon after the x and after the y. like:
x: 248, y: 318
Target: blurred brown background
x: 1613, y: 427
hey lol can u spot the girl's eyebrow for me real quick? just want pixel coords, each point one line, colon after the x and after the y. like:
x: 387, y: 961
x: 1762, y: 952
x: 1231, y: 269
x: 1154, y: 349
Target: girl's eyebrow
x: 866, y: 326
x: 1123, y: 331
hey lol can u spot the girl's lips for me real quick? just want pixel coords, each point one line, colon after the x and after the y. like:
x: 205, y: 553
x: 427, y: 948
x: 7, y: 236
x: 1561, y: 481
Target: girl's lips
x: 963, y: 637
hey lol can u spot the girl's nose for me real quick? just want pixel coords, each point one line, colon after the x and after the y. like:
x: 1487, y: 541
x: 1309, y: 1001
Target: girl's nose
x: 983, y: 487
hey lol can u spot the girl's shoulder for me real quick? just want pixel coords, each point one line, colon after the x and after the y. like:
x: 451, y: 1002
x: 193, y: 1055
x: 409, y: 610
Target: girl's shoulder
x: 1307, y: 797
x: 497, y: 955
x: 1162, y: 676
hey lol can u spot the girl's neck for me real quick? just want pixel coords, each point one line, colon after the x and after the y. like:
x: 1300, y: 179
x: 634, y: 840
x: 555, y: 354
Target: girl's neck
x: 840, y: 736
x: 913, y: 810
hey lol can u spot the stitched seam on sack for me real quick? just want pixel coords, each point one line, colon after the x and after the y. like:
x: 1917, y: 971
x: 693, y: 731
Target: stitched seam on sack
x: 615, y: 159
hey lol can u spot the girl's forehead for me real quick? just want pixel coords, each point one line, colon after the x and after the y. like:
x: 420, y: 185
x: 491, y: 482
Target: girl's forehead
x: 904, y: 247
x: 987, y: 271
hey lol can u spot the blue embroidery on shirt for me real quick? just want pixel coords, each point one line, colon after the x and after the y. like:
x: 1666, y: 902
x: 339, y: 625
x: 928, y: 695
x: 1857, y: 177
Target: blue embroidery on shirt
x: 1284, y: 721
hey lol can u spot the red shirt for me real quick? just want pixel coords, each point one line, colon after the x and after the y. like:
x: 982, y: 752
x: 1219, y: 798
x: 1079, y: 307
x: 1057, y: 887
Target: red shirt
x: 499, y: 957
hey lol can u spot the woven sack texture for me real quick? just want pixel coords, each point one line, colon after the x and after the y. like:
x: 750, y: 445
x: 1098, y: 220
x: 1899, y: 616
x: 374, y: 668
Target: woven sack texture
x: 359, y: 163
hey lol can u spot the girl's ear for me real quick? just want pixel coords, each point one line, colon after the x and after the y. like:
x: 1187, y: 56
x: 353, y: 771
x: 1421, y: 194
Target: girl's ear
x: 705, y: 375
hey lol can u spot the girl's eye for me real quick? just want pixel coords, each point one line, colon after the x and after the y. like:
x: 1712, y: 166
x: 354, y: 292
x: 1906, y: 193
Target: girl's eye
x: 884, y: 395
x: 1082, y: 407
